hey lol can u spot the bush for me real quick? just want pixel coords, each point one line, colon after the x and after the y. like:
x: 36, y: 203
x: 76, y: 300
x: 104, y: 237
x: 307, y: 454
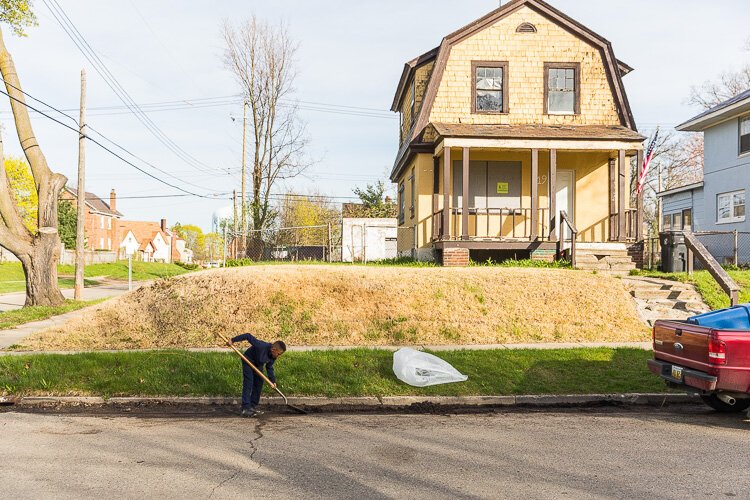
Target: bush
x: 555, y: 264
x: 189, y: 267
x: 239, y: 262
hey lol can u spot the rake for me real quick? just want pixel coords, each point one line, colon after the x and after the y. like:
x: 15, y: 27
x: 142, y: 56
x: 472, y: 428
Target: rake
x: 262, y: 375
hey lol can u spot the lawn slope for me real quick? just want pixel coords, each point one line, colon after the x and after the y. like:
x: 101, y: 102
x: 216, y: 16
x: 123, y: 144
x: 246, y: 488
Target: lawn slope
x: 357, y: 305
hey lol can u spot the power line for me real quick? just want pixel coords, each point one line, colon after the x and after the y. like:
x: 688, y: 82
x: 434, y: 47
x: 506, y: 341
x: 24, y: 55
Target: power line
x: 62, y: 112
x: 88, y: 52
x: 104, y: 147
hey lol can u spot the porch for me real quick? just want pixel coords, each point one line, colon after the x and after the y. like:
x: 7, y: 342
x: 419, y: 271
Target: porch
x: 490, y: 196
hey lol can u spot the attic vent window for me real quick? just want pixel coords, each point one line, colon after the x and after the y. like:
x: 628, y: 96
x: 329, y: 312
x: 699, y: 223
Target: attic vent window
x: 526, y: 28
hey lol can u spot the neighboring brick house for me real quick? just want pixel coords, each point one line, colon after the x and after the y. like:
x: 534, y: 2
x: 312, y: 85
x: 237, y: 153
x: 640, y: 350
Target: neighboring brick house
x: 509, y: 121
x: 101, y: 219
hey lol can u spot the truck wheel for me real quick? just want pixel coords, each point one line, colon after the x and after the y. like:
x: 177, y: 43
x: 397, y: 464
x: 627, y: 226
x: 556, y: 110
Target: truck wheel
x: 717, y: 404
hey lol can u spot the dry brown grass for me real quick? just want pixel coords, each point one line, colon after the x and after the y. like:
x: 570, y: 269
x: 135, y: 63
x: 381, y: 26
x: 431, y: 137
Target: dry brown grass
x: 340, y: 305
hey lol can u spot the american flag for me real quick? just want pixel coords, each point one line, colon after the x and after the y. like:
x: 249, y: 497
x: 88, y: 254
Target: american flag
x: 647, y: 162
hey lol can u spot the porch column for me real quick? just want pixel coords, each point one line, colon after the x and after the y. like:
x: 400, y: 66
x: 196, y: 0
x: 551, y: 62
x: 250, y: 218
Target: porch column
x: 465, y: 196
x: 534, y: 194
x: 435, y: 195
x: 639, y: 203
x: 621, y: 195
x: 446, y: 232
x: 552, y: 193
x: 612, y: 197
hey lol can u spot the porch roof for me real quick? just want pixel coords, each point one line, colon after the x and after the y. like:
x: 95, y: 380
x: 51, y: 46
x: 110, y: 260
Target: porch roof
x: 579, y: 132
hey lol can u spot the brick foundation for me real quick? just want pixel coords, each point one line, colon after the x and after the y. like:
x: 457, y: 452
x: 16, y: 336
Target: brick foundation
x: 637, y: 251
x: 455, y: 257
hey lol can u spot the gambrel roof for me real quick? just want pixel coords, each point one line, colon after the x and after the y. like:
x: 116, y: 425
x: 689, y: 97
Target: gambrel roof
x: 614, y: 68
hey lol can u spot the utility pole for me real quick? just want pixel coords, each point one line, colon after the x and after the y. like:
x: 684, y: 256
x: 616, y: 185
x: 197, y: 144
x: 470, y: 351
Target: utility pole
x: 81, y: 203
x: 234, y: 225
x: 244, y: 174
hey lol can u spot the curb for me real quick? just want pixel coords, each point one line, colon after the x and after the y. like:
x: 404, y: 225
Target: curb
x: 372, y: 403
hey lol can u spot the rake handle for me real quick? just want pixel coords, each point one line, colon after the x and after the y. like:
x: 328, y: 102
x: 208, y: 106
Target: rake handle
x: 255, y: 368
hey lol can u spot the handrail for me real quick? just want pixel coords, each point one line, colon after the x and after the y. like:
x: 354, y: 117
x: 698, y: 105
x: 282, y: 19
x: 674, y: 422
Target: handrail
x: 725, y: 281
x: 573, y: 235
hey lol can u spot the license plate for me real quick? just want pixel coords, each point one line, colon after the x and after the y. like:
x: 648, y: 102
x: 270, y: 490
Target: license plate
x: 677, y: 372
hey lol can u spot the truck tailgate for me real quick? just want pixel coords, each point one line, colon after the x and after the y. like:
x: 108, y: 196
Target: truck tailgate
x: 683, y: 343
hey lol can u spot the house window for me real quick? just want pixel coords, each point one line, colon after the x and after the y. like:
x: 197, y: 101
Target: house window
x: 412, y: 195
x: 687, y: 219
x: 730, y: 207
x: 677, y: 221
x: 489, y: 87
x: 401, y: 202
x: 101, y: 221
x: 109, y: 222
x: 666, y: 222
x: 745, y: 135
x: 101, y: 242
x: 562, y: 88
x: 109, y: 243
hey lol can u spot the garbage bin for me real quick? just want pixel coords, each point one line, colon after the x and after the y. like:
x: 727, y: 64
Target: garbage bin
x: 732, y: 318
x: 673, y: 252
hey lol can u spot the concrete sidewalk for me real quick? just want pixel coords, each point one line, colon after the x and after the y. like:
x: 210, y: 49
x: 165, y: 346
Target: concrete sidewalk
x: 15, y: 300
x: 11, y: 301
x: 476, y: 347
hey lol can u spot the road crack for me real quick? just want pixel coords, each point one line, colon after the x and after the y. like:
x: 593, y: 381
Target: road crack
x: 258, y: 431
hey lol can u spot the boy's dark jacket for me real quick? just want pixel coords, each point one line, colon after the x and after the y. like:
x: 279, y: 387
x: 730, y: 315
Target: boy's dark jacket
x: 259, y: 354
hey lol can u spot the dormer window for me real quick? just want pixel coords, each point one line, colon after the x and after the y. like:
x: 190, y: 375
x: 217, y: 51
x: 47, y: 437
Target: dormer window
x: 489, y: 87
x: 745, y: 135
x: 413, y: 101
x: 562, y: 88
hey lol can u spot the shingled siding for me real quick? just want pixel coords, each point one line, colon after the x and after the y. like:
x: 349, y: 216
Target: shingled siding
x: 526, y: 54
x: 421, y: 78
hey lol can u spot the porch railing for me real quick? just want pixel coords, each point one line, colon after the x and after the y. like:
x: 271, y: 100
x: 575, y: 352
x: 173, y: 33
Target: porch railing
x: 573, y: 237
x: 631, y: 225
x: 491, y: 224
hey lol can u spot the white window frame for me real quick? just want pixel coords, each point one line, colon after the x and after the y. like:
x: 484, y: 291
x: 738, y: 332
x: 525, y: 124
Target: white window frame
x: 101, y: 220
x: 732, y: 218
x: 739, y: 132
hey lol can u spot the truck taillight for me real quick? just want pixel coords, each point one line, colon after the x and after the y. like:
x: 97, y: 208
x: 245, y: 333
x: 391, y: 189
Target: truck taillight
x: 717, y: 351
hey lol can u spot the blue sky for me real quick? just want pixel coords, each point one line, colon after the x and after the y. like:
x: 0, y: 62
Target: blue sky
x: 351, y: 54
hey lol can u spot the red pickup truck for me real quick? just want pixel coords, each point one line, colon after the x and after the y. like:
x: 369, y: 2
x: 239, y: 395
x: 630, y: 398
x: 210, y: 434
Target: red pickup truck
x: 709, y: 355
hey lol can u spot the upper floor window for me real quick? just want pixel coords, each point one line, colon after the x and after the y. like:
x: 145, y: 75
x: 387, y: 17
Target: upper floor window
x: 401, y: 203
x: 745, y: 135
x: 489, y: 87
x: 730, y: 206
x: 412, y: 193
x: 562, y: 88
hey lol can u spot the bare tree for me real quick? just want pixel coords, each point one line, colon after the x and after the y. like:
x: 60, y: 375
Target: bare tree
x: 261, y: 57
x: 729, y: 84
x: 678, y: 159
x: 39, y: 250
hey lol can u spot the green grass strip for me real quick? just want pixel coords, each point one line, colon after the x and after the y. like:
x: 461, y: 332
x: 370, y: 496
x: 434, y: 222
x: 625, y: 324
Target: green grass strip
x: 356, y: 372
x: 10, y: 319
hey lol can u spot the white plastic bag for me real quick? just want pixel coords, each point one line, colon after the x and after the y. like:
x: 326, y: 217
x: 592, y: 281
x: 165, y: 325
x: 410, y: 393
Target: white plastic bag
x: 420, y: 369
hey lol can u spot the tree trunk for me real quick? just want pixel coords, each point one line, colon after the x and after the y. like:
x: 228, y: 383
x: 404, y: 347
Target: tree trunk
x: 40, y: 268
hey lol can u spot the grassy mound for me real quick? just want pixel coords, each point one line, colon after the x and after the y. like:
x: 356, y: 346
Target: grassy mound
x: 338, y: 305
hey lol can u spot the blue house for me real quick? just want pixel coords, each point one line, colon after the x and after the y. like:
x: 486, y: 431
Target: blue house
x: 717, y: 203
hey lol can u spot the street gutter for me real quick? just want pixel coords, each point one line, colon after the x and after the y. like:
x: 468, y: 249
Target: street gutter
x: 406, y: 404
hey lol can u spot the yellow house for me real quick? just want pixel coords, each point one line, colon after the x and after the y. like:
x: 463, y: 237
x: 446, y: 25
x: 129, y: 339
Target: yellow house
x: 516, y: 134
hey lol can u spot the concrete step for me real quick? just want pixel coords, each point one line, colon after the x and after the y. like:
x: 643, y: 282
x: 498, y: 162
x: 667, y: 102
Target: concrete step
x: 658, y: 293
x: 610, y: 259
x: 606, y: 266
x: 599, y: 253
x: 680, y: 305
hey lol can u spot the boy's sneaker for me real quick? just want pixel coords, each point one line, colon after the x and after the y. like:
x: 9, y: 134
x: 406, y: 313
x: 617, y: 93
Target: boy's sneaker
x: 248, y: 412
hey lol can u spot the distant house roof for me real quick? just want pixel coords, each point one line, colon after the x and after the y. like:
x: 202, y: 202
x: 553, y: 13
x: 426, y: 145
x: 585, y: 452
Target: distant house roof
x: 142, y: 230
x: 688, y: 187
x: 95, y: 203
x: 588, y: 132
x: 728, y: 109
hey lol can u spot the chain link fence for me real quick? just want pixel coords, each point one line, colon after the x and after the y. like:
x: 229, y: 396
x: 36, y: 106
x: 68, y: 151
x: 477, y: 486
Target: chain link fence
x: 355, y: 241
x: 727, y: 247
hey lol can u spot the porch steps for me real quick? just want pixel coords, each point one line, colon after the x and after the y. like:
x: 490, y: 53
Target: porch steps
x: 614, y: 260
x: 663, y: 299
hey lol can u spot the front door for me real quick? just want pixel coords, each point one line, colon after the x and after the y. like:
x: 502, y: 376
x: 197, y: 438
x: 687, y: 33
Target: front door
x: 565, y: 200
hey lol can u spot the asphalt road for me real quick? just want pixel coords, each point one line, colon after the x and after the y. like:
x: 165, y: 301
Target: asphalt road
x: 682, y: 452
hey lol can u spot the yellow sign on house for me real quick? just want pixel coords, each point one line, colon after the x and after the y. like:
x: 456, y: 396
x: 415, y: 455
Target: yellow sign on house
x: 502, y: 188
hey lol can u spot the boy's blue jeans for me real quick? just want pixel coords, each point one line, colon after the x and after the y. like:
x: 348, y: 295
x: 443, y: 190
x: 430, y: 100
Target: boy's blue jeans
x: 252, y: 386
